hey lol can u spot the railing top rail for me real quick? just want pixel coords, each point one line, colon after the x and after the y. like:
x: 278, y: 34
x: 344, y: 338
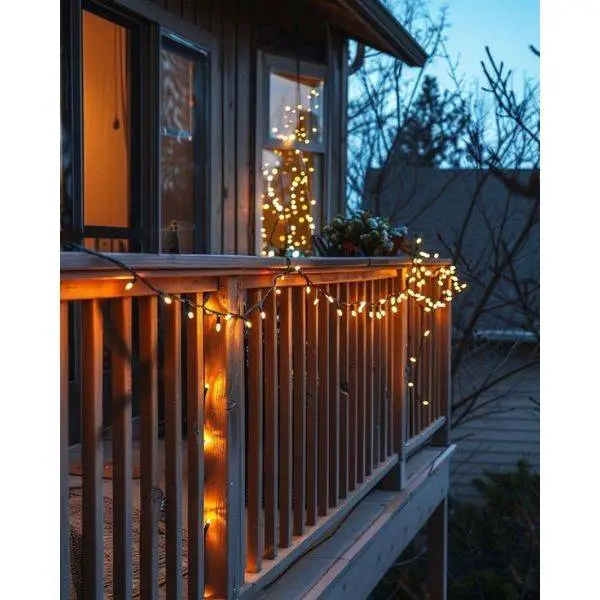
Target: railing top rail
x: 75, y: 263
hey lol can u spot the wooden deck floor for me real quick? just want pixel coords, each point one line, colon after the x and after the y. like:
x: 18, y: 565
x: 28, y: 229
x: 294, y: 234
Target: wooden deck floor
x: 304, y: 577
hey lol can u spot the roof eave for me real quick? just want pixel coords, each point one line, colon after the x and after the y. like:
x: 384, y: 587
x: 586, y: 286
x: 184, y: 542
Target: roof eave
x: 393, y: 35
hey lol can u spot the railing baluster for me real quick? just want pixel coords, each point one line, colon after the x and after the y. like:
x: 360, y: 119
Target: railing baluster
x: 65, y: 563
x: 352, y: 387
x: 399, y: 396
x: 344, y: 397
x: 323, y: 452
x: 442, y: 436
x: 121, y: 441
x: 285, y: 418
x: 149, y: 501
x: 299, y: 353
x: 377, y: 387
x: 361, y: 396
x: 370, y: 387
x: 195, y: 449
x: 429, y: 357
x: 334, y: 397
x: 312, y: 408
x: 384, y: 374
x: 271, y: 420
x: 256, y: 532
x: 393, y: 366
x: 413, y: 334
x: 92, y: 451
x: 173, y: 449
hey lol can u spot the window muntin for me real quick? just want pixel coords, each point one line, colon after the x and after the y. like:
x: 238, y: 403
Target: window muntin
x: 292, y: 158
x: 184, y: 102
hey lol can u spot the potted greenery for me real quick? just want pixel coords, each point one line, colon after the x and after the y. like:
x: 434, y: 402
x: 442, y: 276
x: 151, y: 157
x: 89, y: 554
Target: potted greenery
x: 362, y: 234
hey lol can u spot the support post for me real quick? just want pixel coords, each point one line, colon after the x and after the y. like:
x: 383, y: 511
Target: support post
x: 437, y: 543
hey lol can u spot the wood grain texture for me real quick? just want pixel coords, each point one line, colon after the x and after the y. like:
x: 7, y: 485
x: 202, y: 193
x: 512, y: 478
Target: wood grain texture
x: 312, y: 409
x: 369, y: 381
x: 121, y: 362
x: 334, y: 397
x: 286, y: 413
x: 224, y: 466
x: 323, y: 452
x: 352, y: 389
x: 65, y: 566
x: 149, y: 500
x: 377, y: 374
x: 195, y: 451
x: 271, y: 427
x: 171, y: 334
x: 92, y: 455
x: 255, y: 541
x: 299, y: 360
x: 344, y: 396
x: 361, y: 382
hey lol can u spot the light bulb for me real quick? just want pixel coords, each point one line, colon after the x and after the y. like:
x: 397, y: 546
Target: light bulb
x: 190, y: 314
x: 307, y: 289
x: 410, y: 384
x: 277, y: 291
x: 330, y: 298
x: 248, y: 324
x: 370, y: 314
x: 419, y: 240
x: 263, y: 314
x: 218, y: 325
x: 228, y: 316
x: 316, y: 301
x: 168, y: 299
x: 353, y: 313
x: 339, y: 312
x: 425, y: 402
x: 129, y: 284
x: 394, y: 309
x: 426, y: 333
x: 413, y: 359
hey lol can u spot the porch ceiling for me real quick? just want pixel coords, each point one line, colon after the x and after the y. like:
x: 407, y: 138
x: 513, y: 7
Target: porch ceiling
x: 370, y: 22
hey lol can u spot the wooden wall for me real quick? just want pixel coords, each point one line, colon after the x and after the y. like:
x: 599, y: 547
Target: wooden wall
x: 242, y: 27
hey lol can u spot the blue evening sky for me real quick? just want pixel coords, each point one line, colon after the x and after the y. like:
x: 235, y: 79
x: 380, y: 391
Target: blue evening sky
x: 508, y: 27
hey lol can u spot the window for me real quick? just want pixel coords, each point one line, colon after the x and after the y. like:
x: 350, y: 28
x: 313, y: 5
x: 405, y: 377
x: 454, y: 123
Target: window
x: 182, y: 123
x: 292, y: 157
x: 108, y: 124
x: 135, y: 116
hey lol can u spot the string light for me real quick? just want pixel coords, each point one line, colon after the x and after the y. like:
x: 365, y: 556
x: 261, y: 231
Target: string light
x: 307, y: 289
x: 167, y: 299
x: 190, y: 314
x: 129, y: 285
x: 218, y: 325
x: 263, y: 315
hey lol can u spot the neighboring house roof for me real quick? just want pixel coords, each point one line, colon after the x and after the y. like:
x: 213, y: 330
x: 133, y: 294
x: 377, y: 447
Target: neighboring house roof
x: 370, y: 22
x: 434, y: 203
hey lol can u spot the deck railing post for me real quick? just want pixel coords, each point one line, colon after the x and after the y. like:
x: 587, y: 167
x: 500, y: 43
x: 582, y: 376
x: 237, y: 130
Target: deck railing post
x: 224, y: 464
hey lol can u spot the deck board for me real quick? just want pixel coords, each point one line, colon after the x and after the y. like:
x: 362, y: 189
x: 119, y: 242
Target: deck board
x: 300, y: 579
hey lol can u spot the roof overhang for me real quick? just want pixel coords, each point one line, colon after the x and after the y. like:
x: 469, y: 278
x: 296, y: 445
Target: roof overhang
x: 370, y: 22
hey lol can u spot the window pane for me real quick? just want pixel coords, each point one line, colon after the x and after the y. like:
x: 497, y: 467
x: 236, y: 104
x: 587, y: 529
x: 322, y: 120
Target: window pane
x: 179, y: 146
x: 106, y: 122
x: 295, y: 110
x: 290, y: 187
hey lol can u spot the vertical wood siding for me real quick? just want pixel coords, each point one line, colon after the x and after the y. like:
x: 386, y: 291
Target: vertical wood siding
x: 233, y: 25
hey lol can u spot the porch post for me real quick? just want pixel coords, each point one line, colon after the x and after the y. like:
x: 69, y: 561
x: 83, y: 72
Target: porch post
x: 437, y: 543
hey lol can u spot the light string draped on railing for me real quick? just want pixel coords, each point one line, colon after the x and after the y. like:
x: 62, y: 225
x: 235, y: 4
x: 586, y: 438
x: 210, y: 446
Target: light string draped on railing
x: 415, y: 280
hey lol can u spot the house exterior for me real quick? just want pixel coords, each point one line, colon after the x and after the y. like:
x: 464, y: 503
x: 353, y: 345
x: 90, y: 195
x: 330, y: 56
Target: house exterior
x: 223, y: 433
x: 503, y: 425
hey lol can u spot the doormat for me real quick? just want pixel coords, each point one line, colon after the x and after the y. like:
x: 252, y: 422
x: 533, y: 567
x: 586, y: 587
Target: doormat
x: 76, y: 542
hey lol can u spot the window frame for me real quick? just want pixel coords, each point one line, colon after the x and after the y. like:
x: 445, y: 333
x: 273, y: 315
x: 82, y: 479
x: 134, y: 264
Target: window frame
x: 201, y: 143
x: 152, y: 24
x: 264, y: 141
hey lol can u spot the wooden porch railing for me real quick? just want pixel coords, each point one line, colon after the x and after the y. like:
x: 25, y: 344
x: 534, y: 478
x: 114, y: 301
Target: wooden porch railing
x: 259, y: 439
